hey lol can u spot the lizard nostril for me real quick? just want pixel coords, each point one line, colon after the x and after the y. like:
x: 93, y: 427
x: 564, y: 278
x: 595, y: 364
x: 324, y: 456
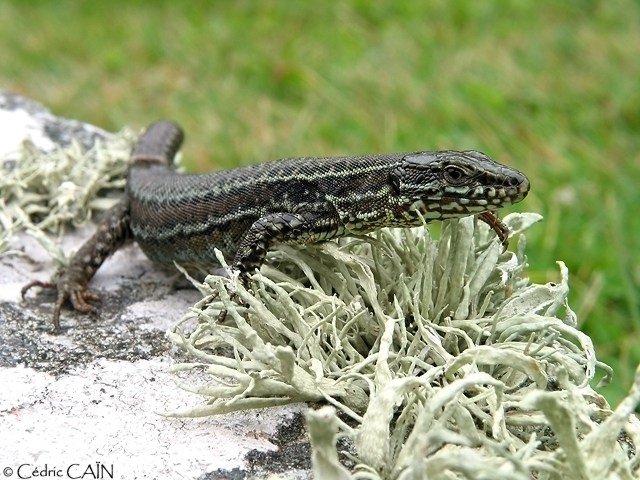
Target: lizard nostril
x: 516, y: 180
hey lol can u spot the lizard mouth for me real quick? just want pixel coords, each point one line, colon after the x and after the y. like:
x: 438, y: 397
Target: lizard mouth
x: 477, y: 200
x: 485, y: 197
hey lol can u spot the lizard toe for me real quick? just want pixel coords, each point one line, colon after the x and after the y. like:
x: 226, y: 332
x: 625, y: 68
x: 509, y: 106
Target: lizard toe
x: 80, y: 299
x: 36, y: 283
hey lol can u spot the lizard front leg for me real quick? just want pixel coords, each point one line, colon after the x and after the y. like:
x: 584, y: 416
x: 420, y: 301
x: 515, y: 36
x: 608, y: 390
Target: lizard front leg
x: 307, y: 224
x: 71, y: 282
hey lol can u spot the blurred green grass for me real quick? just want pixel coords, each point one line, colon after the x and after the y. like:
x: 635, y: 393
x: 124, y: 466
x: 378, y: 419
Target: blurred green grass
x: 548, y: 87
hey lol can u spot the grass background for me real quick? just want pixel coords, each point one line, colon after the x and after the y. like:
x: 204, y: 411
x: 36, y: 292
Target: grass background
x: 549, y: 87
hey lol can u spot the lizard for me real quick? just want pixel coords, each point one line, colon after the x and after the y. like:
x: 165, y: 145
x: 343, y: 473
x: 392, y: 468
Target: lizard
x: 246, y: 211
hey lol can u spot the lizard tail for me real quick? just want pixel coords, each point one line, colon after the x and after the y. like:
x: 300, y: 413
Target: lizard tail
x: 158, y: 144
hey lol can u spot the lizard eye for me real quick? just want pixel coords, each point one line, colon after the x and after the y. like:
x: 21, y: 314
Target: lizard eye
x: 454, y: 175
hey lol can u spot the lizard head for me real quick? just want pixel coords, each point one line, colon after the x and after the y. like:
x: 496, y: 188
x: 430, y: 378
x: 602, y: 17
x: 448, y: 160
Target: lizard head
x: 453, y: 184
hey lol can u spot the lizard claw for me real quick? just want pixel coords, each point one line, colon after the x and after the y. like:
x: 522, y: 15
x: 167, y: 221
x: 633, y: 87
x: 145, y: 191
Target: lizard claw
x: 77, y: 294
x: 245, y: 280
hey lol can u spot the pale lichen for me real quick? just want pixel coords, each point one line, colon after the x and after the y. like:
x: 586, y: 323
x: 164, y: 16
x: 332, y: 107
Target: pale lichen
x: 42, y: 192
x: 445, y: 359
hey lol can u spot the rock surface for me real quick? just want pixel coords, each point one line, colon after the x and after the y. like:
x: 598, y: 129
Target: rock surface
x: 91, y: 398
x: 22, y: 119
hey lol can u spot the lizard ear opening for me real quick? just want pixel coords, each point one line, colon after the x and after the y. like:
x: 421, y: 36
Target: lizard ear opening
x: 394, y: 182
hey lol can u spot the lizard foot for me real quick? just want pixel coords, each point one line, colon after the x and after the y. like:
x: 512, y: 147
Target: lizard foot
x: 502, y: 231
x: 245, y: 280
x: 78, y: 295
